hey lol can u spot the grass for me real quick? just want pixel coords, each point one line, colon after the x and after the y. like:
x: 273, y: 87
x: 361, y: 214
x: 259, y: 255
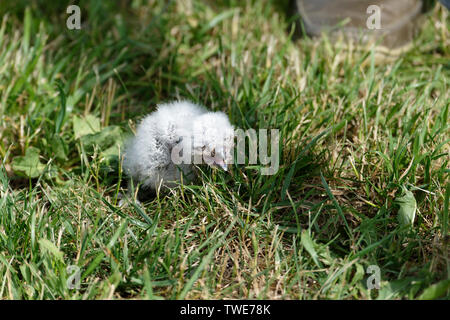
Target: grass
x: 353, y: 136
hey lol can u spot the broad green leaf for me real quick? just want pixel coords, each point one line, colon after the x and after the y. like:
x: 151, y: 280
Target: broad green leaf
x: 59, y: 148
x: 29, y: 164
x: 393, y: 289
x: 110, y: 154
x: 407, y: 210
x: 309, y: 246
x: 84, y: 126
x: 436, y: 290
x: 104, y: 139
x: 358, y: 275
x: 26, y: 273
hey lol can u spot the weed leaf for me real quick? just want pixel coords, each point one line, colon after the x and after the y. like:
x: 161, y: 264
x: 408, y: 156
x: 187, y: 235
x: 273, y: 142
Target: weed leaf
x: 309, y: 246
x: 436, y: 290
x: 29, y: 164
x: 104, y: 139
x: 408, y: 206
x: 84, y: 126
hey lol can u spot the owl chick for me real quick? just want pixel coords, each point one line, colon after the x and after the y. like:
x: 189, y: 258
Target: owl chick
x: 173, y: 139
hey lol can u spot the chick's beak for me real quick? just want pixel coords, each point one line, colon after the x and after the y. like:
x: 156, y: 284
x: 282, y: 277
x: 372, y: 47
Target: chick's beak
x: 221, y: 164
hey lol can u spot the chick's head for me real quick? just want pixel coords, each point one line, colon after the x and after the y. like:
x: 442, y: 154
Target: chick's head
x: 213, y: 139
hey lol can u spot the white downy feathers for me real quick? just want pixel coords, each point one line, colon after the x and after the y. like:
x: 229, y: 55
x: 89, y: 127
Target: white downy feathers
x: 171, y: 140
